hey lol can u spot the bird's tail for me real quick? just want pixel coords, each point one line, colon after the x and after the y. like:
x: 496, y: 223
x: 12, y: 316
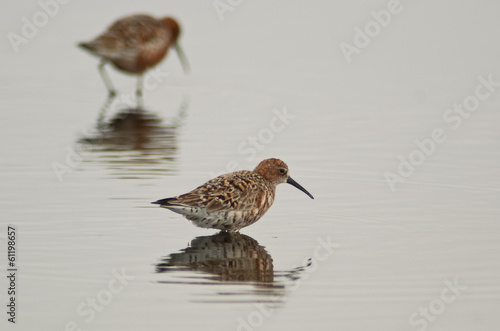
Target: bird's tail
x: 164, y: 202
x: 87, y: 46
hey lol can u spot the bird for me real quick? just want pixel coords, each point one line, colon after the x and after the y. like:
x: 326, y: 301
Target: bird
x: 235, y: 200
x: 134, y: 44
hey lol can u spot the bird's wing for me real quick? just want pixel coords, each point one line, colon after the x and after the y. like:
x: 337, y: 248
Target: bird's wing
x: 126, y: 35
x: 236, y: 191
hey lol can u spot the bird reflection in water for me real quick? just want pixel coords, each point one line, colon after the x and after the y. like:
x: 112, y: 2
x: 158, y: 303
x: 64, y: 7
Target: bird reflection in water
x: 229, y: 259
x: 134, y: 142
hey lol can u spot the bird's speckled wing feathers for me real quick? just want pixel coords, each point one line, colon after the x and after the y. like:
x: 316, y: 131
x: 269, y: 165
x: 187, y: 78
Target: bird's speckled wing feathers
x: 238, y: 190
x: 131, y: 31
x: 127, y: 38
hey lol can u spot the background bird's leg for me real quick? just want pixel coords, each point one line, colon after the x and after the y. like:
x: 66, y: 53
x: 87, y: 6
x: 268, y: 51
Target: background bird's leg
x: 106, y: 79
x: 138, y: 91
x: 102, y: 114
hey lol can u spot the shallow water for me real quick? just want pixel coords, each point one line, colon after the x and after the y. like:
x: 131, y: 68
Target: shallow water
x: 78, y: 171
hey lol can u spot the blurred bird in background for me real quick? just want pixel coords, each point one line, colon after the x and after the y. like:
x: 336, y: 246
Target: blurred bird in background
x: 135, y: 44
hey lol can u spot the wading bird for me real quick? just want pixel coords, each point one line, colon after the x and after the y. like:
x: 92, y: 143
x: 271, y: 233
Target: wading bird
x: 135, y: 44
x: 235, y: 200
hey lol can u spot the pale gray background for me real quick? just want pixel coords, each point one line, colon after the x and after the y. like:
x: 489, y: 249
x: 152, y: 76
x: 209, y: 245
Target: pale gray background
x: 352, y: 122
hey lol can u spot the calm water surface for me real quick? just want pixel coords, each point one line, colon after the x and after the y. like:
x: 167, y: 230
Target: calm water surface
x: 78, y: 172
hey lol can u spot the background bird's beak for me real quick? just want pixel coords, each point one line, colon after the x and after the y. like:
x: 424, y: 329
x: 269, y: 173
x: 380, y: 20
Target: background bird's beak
x: 182, y: 57
x: 297, y: 185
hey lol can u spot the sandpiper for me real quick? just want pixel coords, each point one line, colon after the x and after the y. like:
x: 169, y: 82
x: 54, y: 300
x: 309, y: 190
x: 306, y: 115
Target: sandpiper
x: 235, y: 200
x: 134, y: 44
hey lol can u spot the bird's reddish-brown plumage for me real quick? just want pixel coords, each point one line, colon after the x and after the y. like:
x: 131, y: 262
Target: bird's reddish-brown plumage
x: 235, y: 200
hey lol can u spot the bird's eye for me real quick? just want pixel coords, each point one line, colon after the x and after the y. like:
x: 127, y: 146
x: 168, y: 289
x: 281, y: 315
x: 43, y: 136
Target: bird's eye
x: 282, y: 171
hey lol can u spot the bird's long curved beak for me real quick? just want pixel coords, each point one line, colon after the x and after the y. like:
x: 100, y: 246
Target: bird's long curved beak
x: 182, y: 57
x: 297, y: 185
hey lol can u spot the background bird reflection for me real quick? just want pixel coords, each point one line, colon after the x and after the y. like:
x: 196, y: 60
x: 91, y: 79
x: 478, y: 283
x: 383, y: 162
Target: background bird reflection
x: 135, y: 142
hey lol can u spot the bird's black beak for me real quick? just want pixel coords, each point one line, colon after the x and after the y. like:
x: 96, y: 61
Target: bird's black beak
x: 297, y: 185
x: 182, y: 57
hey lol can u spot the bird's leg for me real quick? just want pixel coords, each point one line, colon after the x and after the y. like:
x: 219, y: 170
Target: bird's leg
x: 106, y: 79
x: 102, y: 114
x: 138, y: 91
